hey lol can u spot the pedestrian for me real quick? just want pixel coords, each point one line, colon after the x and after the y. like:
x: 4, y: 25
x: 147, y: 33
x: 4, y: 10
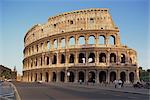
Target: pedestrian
x: 80, y: 81
x: 116, y: 83
x: 120, y: 83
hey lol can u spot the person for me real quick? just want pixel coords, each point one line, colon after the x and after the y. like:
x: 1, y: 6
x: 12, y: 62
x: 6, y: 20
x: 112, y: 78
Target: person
x: 120, y: 83
x: 116, y: 83
x: 80, y: 81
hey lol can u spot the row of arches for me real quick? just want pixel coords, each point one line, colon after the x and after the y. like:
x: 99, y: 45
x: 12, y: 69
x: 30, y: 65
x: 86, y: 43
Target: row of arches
x: 102, y: 77
x: 72, y: 41
x: 91, y: 58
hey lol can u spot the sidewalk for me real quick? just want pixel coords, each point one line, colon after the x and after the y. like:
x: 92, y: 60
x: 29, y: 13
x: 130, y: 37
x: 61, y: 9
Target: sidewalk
x: 110, y: 87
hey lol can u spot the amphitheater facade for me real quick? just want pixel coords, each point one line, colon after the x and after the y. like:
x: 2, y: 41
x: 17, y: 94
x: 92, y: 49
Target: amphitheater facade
x: 79, y: 45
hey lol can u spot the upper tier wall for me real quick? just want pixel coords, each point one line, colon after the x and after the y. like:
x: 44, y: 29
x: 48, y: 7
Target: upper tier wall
x: 88, y: 19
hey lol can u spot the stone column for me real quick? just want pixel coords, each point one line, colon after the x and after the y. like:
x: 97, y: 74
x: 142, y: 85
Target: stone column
x: 86, y: 75
x: 118, y: 74
x: 97, y: 76
x: 50, y: 78
x: 76, y: 76
x: 58, y: 76
x: 76, y: 58
x: 127, y: 77
x: 96, y: 42
x: 108, y: 76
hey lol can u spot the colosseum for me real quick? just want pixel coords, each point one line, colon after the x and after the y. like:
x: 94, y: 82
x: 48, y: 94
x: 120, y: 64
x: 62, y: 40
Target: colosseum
x: 79, y: 45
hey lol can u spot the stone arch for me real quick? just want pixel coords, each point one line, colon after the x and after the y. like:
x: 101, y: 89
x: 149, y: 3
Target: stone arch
x: 131, y: 77
x: 81, y: 76
x: 101, y: 39
x: 41, y: 76
x: 46, y: 77
x: 71, y: 76
x: 91, y: 39
x: 81, y: 40
x: 91, y: 58
x: 102, y: 57
x: 35, y: 77
x: 63, y: 42
x: 112, y: 58
x: 55, y: 43
x: 47, y: 60
x: 54, y: 77
x: 112, y: 76
x: 112, y: 40
x: 48, y: 45
x: 62, y: 76
x: 71, y: 40
x: 102, y: 77
x: 71, y: 59
x: 123, y: 76
x: 63, y: 59
x: 82, y: 58
x: 54, y: 59
x: 123, y: 58
x: 91, y: 76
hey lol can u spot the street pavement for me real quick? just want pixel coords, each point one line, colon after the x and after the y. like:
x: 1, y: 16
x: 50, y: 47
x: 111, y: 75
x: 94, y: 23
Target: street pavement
x: 6, y: 91
x: 51, y: 91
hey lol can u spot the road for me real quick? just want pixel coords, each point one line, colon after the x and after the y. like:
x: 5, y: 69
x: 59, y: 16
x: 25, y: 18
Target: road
x: 37, y: 91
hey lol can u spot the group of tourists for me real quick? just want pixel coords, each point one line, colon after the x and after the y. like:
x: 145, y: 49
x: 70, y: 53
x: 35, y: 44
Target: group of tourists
x: 118, y: 83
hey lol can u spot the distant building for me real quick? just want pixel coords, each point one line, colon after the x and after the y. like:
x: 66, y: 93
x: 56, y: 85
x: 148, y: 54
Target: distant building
x: 7, y: 73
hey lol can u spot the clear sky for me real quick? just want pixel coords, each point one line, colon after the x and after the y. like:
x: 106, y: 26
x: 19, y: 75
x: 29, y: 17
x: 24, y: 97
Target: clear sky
x: 17, y: 16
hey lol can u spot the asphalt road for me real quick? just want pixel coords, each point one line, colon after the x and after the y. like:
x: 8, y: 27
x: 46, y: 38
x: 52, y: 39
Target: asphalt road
x: 36, y: 91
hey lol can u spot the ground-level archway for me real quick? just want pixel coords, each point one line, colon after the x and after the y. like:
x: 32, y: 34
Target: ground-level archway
x: 46, y: 77
x: 54, y: 77
x: 123, y: 76
x: 102, y: 76
x: 71, y: 76
x: 62, y: 76
x: 91, y: 76
x: 131, y: 77
x: 81, y: 76
x: 112, y: 76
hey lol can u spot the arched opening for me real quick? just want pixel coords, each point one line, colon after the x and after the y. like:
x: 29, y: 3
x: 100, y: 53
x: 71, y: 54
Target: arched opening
x: 48, y: 45
x: 55, y: 44
x: 112, y: 76
x: 62, y: 76
x: 102, y: 77
x: 47, y: 61
x: 102, y: 58
x: 101, y: 39
x: 71, y: 60
x: 91, y: 58
x: 81, y: 76
x: 81, y: 40
x: 41, y: 76
x: 62, y: 59
x: 131, y: 77
x: 91, y: 76
x: 62, y: 42
x: 72, y: 41
x: 123, y: 76
x: 91, y: 40
x: 35, y: 77
x: 112, y: 40
x: 54, y: 59
x: 47, y: 77
x: 71, y: 77
x: 112, y: 58
x: 82, y: 58
x: 54, y: 77
x: 130, y: 60
x: 122, y: 58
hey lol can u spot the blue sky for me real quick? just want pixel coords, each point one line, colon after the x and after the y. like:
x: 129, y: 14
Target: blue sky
x: 17, y: 16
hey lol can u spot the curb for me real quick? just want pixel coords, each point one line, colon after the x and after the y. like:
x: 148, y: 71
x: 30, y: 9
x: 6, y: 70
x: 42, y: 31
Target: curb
x: 17, y: 96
